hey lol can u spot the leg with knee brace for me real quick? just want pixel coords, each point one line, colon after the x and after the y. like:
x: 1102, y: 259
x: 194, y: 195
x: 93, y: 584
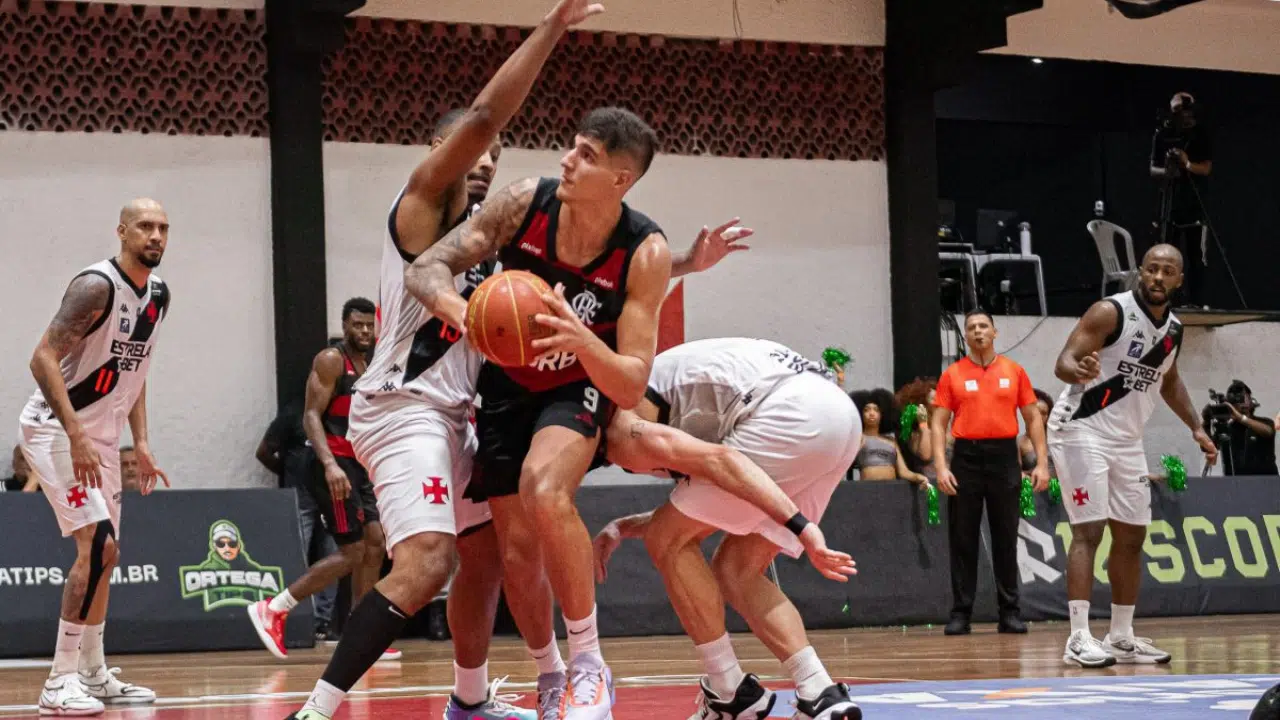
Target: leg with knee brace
x: 99, y: 562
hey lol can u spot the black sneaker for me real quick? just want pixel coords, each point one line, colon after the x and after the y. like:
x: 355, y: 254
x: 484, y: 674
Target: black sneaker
x: 751, y: 701
x: 1011, y: 624
x: 959, y: 625
x: 832, y: 704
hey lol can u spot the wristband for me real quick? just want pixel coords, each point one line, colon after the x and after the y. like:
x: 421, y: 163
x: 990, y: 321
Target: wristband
x: 797, y: 524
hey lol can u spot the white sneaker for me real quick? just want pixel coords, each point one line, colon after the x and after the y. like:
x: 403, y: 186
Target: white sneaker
x: 1084, y: 650
x: 1135, y: 651
x: 64, y: 695
x: 105, y: 686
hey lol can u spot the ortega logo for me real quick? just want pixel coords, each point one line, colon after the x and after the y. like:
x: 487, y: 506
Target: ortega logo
x: 228, y: 577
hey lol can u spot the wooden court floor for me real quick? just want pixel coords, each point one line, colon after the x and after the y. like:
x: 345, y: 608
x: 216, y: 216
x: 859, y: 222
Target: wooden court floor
x: 255, y: 685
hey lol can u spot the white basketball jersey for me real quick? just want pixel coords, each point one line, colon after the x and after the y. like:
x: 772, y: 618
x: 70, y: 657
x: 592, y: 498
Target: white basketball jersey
x: 418, y: 357
x: 704, y: 387
x: 106, y: 370
x: 1118, y: 403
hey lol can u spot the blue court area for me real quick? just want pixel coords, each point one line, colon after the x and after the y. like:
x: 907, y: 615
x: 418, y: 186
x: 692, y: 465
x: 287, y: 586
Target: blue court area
x: 1172, y: 697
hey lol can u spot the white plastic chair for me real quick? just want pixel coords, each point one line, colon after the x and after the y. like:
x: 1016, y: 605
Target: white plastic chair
x: 1104, y: 234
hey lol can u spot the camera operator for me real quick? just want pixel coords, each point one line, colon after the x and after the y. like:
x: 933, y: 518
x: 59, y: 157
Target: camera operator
x: 1247, y: 442
x: 1180, y: 160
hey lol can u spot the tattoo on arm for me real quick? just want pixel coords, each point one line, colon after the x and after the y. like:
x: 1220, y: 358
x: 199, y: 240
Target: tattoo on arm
x: 83, y: 303
x: 471, y: 242
x: 637, y: 428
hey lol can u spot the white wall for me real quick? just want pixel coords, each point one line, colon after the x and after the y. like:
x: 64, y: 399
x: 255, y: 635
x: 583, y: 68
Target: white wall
x: 212, y: 384
x: 1210, y: 358
x: 1217, y: 34
x: 818, y: 273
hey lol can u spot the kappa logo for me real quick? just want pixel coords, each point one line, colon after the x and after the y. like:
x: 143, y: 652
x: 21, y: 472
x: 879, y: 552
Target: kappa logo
x: 124, y: 308
x: 585, y: 305
x: 388, y: 387
x: 228, y: 577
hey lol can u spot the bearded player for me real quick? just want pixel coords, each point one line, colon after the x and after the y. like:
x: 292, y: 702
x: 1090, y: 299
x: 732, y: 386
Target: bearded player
x: 338, y: 482
x: 718, y: 413
x: 408, y: 422
x: 539, y: 425
x: 1120, y: 355
x: 91, y: 369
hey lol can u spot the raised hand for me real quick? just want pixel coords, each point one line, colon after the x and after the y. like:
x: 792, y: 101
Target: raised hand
x: 572, y: 12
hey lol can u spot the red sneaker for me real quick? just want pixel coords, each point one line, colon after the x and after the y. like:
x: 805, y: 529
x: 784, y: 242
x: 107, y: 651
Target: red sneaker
x: 270, y: 627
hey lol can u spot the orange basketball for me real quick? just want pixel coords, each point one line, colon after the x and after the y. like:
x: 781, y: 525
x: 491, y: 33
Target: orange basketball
x: 500, y: 317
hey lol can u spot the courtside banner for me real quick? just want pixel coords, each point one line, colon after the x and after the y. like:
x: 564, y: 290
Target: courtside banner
x: 190, y: 563
x: 1212, y: 549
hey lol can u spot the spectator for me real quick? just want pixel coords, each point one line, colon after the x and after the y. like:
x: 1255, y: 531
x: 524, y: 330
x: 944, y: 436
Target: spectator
x: 284, y: 451
x: 23, y: 479
x: 919, y: 449
x: 880, y: 458
x: 1027, y: 448
x: 129, y: 469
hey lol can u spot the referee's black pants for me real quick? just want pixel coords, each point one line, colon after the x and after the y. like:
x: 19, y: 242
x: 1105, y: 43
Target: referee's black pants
x: 988, y: 474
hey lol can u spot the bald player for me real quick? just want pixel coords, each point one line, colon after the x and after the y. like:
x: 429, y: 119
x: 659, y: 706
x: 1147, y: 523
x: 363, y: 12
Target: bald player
x: 91, y: 370
x: 1120, y: 355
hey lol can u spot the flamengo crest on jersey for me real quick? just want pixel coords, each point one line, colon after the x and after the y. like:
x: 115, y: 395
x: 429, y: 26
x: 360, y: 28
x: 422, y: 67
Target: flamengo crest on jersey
x: 1120, y: 400
x: 417, y: 355
x: 106, y: 370
x: 704, y: 387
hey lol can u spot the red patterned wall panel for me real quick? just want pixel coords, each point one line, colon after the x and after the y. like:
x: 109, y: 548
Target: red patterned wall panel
x: 121, y: 68
x: 704, y: 97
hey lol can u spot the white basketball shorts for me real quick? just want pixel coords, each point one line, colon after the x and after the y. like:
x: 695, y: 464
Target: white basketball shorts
x: 48, y: 452
x: 419, y: 461
x: 1101, y: 478
x: 804, y: 434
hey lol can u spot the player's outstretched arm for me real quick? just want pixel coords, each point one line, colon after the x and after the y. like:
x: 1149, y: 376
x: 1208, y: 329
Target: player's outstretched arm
x: 642, y: 446
x: 430, y: 277
x: 492, y: 109
x: 1078, y: 361
x: 612, y: 535
x: 709, y: 248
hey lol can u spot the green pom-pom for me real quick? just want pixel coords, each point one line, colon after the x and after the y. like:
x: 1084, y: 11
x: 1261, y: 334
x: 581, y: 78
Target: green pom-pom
x: 836, y: 358
x: 1027, y: 499
x: 907, y: 422
x: 1175, y: 471
x: 931, y: 494
x: 1055, y: 491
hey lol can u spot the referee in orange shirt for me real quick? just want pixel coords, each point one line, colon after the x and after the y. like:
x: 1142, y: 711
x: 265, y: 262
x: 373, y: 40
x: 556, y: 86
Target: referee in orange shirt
x: 984, y: 392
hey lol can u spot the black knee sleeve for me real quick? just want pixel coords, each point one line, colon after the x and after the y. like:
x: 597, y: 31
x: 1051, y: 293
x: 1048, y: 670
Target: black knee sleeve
x: 96, y: 566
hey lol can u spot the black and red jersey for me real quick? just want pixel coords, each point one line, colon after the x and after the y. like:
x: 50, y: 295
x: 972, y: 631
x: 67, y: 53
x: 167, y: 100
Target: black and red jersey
x: 595, y: 291
x: 334, y: 418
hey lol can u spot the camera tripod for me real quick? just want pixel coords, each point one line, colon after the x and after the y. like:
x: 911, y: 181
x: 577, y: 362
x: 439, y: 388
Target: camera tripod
x: 1206, y: 228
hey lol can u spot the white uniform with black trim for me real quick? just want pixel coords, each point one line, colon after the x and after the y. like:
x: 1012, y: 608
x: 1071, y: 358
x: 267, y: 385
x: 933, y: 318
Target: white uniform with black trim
x: 778, y: 408
x: 1095, y: 429
x: 410, y: 417
x: 104, y: 374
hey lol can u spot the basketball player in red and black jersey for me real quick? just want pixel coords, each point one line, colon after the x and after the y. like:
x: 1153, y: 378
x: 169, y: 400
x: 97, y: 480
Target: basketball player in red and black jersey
x: 339, y: 484
x: 539, y: 425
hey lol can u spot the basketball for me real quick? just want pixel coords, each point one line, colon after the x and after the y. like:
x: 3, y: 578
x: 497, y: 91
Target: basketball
x: 500, y: 317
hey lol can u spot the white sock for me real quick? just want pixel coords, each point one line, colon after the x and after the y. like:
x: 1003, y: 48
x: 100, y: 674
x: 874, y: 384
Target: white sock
x: 1079, y: 612
x: 283, y: 602
x: 91, y: 657
x: 548, y: 658
x: 471, y: 685
x: 325, y: 699
x: 1121, y: 621
x: 721, y: 666
x: 584, y: 637
x: 66, y: 656
x: 810, y: 676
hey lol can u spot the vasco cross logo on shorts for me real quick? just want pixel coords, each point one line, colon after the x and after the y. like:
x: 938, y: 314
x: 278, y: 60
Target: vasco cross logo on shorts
x: 437, y: 492
x: 228, y: 576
